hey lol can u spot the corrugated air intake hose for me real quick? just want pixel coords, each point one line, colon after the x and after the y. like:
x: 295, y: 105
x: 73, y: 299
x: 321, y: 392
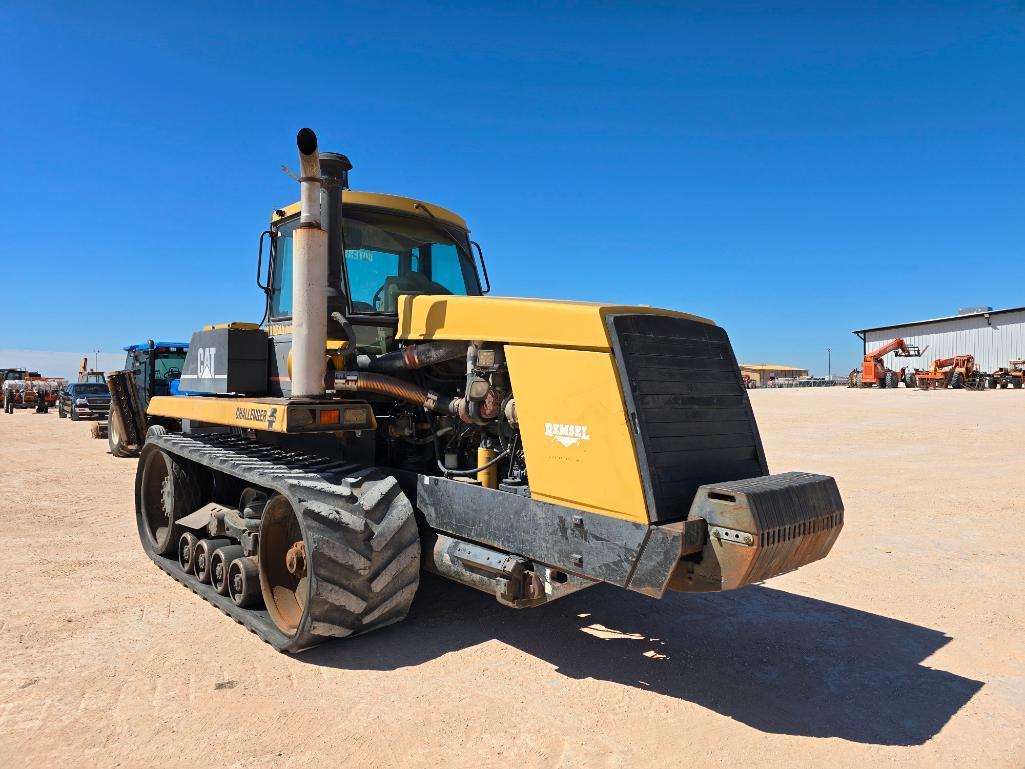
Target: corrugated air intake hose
x: 381, y: 384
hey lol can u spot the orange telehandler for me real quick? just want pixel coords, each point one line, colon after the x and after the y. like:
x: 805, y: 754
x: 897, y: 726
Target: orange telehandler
x: 957, y: 372
x: 874, y: 372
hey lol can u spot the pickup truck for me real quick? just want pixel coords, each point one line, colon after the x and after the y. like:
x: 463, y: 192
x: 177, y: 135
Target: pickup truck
x: 80, y: 399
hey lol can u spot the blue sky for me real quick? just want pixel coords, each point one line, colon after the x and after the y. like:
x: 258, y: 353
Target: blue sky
x: 792, y: 170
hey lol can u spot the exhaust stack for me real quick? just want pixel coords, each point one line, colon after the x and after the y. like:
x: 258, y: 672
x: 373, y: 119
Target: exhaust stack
x: 309, y: 278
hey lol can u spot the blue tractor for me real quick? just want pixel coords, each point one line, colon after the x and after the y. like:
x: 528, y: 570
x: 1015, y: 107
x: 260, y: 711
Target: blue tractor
x: 151, y: 369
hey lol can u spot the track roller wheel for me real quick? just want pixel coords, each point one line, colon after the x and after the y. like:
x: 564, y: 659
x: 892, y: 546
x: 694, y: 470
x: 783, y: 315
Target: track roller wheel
x: 166, y: 490
x: 220, y: 562
x: 204, y: 557
x: 244, y: 582
x: 187, y: 545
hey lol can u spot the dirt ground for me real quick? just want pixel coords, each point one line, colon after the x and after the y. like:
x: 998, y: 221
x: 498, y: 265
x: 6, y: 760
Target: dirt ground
x: 905, y: 647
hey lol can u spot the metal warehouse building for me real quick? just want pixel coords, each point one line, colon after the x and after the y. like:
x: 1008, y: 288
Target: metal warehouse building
x: 994, y: 337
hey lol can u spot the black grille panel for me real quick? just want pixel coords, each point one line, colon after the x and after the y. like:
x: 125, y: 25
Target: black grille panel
x: 690, y: 412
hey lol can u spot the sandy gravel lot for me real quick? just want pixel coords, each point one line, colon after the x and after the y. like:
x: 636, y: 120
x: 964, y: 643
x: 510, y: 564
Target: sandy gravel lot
x: 906, y: 647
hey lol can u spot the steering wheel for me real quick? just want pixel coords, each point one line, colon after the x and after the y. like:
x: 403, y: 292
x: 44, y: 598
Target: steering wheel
x: 172, y: 373
x: 375, y: 302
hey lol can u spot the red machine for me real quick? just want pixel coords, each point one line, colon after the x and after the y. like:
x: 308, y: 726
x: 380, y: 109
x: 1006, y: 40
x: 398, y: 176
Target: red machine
x: 874, y: 371
x: 1017, y: 373
x: 956, y: 372
x: 1013, y: 375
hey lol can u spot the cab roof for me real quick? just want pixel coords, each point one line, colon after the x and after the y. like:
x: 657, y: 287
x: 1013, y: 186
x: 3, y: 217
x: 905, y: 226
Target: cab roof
x: 380, y: 200
x: 157, y: 345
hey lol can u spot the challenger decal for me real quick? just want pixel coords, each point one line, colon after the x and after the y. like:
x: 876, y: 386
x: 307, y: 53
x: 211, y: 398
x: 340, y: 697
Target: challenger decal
x: 251, y: 414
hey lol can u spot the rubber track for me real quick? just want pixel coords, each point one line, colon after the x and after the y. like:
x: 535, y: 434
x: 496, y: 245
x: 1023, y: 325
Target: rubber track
x: 361, y: 537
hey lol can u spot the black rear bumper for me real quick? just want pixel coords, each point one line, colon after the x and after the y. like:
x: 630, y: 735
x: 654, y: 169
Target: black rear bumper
x: 737, y: 532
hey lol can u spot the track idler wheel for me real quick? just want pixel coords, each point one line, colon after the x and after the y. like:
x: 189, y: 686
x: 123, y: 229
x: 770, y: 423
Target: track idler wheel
x: 244, y: 582
x: 204, y: 557
x: 220, y: 562
x: 166, y: 490
x: 187, y: 545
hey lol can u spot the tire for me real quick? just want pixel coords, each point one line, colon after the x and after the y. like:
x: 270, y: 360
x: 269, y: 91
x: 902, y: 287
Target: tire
x: 115, y: 437
x: 166, y: 490
x: 361, y: 562
x: 60, y: 410
x: 74, y: 413
x: 910, y: 381
x: 1016, y: 384
x: 957, y: 381
x: 890, y: 379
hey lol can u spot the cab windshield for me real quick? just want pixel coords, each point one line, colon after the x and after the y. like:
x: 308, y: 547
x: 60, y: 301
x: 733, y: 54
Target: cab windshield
x: 168, y: 366
x: 386, y: 255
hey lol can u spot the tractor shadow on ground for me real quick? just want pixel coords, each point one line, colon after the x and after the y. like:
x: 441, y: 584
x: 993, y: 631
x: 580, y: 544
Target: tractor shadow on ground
x: 778, y: 662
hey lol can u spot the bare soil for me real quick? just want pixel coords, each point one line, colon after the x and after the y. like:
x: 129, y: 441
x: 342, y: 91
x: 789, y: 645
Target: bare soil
x: 905, y: 647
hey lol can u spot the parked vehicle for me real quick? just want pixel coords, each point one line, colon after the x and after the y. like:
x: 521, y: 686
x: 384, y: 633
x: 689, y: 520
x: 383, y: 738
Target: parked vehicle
x: 151, y: 368
x: 84, y: 399
x: 874, y: 373
x: 23, y: 389
x: 308, y: 478
x: 13, y: 394
x: 1011, y: 376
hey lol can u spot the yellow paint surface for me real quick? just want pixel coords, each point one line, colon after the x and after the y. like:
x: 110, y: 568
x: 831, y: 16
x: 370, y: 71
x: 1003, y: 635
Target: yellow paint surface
x: 538, y: 322
x: 392, y: 202
x: 238, y: 412
x: 575, y: 433
x: 267, y: 414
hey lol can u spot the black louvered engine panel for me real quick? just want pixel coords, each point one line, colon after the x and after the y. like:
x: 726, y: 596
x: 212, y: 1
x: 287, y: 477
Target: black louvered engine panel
x: 690, y: 413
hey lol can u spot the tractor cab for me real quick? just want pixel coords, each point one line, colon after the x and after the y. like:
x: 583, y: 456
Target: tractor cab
x: 388, y: 246
x: 391, y: 247
x: 155, y: 366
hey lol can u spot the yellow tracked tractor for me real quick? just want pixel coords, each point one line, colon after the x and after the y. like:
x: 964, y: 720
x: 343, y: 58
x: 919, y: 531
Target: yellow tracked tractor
x: 387, y: 417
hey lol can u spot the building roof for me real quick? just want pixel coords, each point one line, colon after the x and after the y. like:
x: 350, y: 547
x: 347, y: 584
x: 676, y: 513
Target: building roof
x: 769, y: 367
x: 982, y: 314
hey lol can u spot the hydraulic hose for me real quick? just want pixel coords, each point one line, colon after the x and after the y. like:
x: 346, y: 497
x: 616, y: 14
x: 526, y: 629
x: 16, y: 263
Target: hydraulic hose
x: 381, y: 384
x: 414, y: 357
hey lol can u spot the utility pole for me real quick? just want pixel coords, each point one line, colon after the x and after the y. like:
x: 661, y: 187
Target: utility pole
x: 829, y: 363
x: 96, y: 360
